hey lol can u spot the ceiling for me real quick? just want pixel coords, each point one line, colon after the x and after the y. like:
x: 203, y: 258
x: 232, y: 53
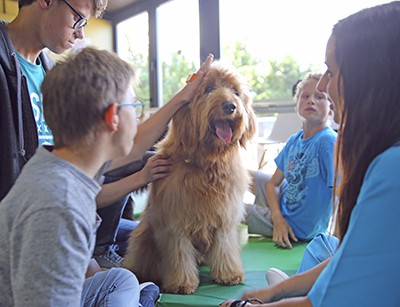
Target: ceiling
x: 114, y: 5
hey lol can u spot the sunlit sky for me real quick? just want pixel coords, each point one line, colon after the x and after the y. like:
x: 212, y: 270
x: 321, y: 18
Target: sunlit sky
x: 271, y: 29
x: 276, y: 28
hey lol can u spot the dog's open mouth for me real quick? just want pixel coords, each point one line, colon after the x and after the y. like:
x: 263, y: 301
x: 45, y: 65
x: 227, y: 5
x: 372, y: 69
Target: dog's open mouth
x: 223, y: 130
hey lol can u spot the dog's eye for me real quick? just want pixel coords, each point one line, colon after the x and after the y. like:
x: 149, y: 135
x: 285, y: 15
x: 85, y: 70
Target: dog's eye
x: 209, y: 89
x: 236, y: 92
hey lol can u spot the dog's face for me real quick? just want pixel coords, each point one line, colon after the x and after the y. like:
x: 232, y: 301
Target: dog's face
x: 220, y: 115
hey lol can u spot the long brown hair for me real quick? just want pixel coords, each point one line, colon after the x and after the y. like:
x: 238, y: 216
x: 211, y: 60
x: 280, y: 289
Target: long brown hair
x: 367, y: 47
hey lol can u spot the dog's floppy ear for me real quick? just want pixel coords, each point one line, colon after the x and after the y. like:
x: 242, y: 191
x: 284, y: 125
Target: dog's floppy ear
x: 251, y: 125
x: 181, y: 128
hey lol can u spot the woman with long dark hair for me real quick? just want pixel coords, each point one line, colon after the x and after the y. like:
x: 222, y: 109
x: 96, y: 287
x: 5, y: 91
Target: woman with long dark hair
x: 363, y: 81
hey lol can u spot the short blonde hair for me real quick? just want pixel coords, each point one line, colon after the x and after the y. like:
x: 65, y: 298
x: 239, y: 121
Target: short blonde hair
x: 78, y: 91
x: 310, y: 76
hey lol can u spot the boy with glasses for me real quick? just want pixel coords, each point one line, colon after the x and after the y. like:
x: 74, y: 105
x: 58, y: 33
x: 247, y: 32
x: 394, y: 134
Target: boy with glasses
x: 48, y: 219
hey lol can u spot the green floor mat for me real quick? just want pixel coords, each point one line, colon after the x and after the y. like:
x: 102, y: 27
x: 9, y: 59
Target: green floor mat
x: 258, y: 254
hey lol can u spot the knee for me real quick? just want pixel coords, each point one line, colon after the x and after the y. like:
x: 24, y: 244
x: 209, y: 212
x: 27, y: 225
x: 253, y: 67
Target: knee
x: 124, y: 278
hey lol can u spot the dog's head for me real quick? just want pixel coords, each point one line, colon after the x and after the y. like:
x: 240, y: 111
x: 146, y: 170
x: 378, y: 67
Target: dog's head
x: 220, y: 115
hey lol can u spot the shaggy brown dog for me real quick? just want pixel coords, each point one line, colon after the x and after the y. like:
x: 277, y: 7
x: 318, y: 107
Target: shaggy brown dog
x: 192, y: 216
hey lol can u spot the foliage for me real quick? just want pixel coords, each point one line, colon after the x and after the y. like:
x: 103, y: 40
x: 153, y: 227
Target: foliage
x: 282, y: 76
x: 268, y: 80
x: 140, y: 63
x: 175, y: 74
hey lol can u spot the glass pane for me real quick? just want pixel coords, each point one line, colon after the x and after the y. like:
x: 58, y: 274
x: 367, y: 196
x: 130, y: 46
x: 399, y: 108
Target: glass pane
x: 179, y: 50
x: 133, y: 47
x: 276, y: 42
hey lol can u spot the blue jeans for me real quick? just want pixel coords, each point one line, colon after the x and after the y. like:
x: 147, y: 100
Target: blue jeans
x: 125, y: 227
x: 115, y: 287
x: 320, y: 248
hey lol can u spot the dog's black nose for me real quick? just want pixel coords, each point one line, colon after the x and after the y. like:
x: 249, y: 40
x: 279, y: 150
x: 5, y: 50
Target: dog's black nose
x: 228, y: 107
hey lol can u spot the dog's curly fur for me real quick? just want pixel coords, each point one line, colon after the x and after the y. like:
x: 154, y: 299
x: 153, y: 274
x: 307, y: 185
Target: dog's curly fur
x: 192, y: 216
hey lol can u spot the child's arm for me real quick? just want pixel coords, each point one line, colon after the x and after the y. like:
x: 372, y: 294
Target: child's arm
x: 282, y: 231
x: 296, y: 286
x: 290, y: 292
x: 156, y: 167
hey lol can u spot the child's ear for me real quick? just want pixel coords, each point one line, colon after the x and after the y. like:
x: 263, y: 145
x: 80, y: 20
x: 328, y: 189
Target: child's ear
x: 331, y: 109
x: 111, y: 117
x: 296, y: 107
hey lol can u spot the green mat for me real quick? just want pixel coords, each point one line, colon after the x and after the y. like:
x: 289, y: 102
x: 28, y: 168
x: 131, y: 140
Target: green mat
x: 258, y: 254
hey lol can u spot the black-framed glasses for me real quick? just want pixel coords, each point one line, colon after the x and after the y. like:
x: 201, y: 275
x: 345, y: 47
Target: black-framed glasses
x: 138, y: 105
x: 81, y: 22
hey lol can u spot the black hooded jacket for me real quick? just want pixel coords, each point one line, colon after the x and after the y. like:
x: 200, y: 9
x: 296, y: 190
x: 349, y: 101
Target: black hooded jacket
x: 18, y: 132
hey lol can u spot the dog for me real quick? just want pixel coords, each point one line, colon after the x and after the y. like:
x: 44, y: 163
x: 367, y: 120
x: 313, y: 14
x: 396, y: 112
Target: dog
x: 192, y: 215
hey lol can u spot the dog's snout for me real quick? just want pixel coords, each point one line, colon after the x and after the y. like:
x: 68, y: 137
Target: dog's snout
x: 228, y: 107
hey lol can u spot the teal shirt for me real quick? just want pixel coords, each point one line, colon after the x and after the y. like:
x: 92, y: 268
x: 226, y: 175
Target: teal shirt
x: 35, y: 74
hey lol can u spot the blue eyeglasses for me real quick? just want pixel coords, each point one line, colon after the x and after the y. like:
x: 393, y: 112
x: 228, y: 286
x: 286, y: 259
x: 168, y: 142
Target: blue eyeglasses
x: 139, y: 106
x: 81, y: 22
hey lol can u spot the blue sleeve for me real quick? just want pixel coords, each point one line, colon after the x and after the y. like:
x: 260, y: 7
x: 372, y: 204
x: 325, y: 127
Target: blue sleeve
x: 365, y: 269
x: 283, y: 154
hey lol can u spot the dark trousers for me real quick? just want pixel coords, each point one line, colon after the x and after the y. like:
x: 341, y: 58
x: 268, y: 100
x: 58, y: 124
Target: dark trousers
x: 113, y: 229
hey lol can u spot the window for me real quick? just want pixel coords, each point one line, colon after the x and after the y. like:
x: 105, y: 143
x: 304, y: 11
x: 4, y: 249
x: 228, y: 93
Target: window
x: 178, y: 39
x: 275, y: 43
x: 133, y: 47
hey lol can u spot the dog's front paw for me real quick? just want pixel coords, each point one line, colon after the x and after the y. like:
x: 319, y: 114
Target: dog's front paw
x: 181, y: 289
x: 229, y: 278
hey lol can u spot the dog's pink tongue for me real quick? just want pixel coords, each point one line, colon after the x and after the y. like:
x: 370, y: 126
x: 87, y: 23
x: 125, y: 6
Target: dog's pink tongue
x: 224, y: 132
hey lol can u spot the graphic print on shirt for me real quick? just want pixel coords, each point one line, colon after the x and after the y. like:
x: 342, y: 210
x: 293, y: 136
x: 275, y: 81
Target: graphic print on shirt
x: 299, y: 168
x: 44, y: 133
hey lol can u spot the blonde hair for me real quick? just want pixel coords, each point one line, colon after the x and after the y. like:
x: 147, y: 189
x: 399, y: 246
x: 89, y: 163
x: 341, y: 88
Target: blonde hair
x: 78, y: 91
x: 310, y: 76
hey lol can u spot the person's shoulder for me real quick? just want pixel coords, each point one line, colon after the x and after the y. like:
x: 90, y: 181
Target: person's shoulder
x: 327, y: 135
x: 5, y: 42
x: 49, y: 173
x: 295, y: 137
x: 388, y: 160
x: 6, y: 47
x: 385, y: 167
x: 328, y: 131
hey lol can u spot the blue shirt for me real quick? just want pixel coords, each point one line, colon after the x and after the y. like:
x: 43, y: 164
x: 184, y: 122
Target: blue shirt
x: 306, y: 195
x: 35, y: 74
x: 365, y: 269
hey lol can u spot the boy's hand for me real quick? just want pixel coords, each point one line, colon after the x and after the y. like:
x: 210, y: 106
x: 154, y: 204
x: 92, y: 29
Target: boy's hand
x: 156, y: 167
x: 283, y: 233
x: 186, y: 94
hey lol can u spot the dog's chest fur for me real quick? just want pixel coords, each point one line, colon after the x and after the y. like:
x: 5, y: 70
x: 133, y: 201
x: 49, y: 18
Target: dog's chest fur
x: 208, y: 198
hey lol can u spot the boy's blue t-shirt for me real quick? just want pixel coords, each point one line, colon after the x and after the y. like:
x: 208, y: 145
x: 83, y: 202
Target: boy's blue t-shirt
x: 35, y: 74
x: 306, y: 195
x: 365, y: 269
